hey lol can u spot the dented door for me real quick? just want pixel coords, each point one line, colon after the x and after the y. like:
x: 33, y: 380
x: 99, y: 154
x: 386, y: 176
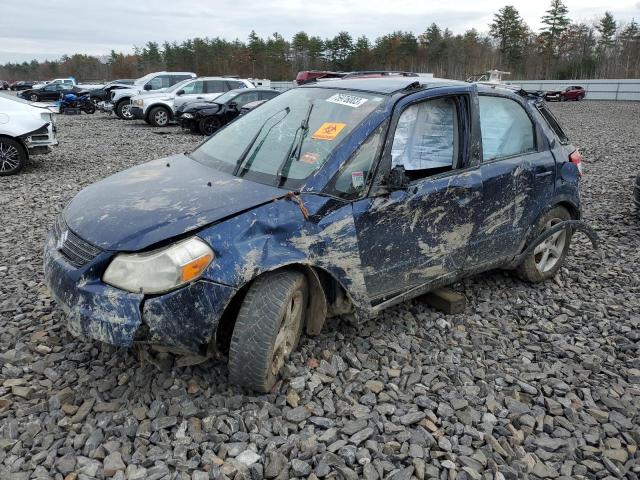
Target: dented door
x: 416, y: 236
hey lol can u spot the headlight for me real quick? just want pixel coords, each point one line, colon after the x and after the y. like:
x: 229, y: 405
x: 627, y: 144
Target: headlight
x: 187, y: 115
x: 160, y: 270
x: 137, y: 102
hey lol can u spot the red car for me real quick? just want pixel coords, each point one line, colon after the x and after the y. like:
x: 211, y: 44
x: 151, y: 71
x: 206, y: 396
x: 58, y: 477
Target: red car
x: 573, y: 92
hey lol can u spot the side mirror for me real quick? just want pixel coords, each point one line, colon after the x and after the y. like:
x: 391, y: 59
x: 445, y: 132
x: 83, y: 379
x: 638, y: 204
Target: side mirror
x: 147, y: 87
x: 179, y: 92
x: 397, y: 179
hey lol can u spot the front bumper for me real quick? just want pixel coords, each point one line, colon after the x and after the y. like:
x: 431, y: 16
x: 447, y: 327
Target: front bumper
x: 187, y: 123
x: 137, y: 112
x: 184, y: 320
x: 105, y: 107
x: 42, y: 140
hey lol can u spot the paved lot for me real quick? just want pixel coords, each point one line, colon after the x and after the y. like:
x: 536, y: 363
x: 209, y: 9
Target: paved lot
x: 531, y: 381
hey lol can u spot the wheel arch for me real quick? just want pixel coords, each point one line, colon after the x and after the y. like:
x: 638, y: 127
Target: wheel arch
x: 327, y: 298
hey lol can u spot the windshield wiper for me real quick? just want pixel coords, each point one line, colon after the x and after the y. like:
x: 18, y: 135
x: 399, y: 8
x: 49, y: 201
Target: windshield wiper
x: 246, y: 151
x: 294, y: 148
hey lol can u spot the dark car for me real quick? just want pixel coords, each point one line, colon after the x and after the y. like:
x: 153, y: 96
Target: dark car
x: 338, y: 198
x: 207, y: 117
x: 21, y: 85
x: 103, y: 94
x: 50, y: 92
x: 573, y: 92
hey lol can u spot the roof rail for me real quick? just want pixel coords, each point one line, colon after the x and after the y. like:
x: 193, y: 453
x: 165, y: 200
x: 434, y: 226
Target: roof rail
x: 398, y: 73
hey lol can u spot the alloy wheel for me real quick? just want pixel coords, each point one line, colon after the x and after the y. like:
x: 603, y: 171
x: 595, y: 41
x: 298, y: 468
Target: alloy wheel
x: 288, y: 334
x: 126, y: 112
x: 33, y: 98
x: 549, y: 252
x: 161, y: 118
x: 9, y: 157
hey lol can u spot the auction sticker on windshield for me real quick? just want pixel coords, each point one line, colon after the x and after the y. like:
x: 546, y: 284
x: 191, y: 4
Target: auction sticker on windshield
x: 328, y: 131
x: 348, y: 100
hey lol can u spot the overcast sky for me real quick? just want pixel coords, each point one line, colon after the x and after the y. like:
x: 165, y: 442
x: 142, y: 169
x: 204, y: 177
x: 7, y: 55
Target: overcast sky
x: 46, y: 29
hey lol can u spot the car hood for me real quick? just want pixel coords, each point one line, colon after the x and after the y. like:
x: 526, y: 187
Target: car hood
x: 155, y: 201
x: 195, y: 106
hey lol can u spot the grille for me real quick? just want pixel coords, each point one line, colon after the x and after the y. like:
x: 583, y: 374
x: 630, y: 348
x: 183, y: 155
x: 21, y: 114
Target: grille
x: 74, y: 249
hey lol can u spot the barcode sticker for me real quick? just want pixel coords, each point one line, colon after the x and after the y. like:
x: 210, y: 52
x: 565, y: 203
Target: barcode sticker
x: 348, y: 100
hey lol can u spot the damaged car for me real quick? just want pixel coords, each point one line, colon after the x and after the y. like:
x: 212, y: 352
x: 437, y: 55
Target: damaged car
x: 339, y: 198
x: 25, y: 130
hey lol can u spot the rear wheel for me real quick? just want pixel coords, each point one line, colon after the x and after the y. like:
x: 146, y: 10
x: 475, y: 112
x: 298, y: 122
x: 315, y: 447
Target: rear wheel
x: 547, y: 258
x: 267, y: 329
x: 159, y: 117
x: 89, y: 108
x: 13, y: 156
x: 579, y: 97
x: 209, y: 125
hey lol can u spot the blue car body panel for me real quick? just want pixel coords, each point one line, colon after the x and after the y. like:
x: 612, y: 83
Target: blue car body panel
x: 377, y: 247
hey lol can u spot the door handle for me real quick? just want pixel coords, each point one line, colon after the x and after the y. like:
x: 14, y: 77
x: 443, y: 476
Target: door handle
x: 544, y: 174
x: 199, y: 98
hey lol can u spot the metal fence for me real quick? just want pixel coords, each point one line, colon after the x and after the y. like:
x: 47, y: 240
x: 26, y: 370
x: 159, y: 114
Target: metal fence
x: 596, y: 89
x: 282, y: 86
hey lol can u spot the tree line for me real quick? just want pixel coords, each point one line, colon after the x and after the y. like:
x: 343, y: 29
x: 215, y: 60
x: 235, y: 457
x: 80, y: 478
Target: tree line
x: 562, y: 49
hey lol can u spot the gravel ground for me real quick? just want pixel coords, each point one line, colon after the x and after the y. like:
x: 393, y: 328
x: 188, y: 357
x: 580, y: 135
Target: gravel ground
x: 535, y: 381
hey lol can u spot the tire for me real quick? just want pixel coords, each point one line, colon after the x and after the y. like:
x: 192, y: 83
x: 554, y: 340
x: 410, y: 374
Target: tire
x: 267, y: 329
x: 89, y: 108
x: 34, y: 98
x: 13, y: 156
x: 122, y: 110
x: 579, y: 98
x: 159, y: 117
x: 545, y: 261
x: 209, y: 125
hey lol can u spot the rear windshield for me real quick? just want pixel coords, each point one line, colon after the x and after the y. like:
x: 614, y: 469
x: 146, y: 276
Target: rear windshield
x: 553, y: 123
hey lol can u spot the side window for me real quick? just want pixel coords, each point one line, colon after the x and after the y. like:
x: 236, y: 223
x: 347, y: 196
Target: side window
x: 426, y: 138
x: 352, y: 179
x: 245, y: 98
x: 215, y: 86
x: 553, y: 123
x: 178, y: 78
x: 268, y: 95
x: 161, y: 81
x: 506, y: 128
x: 50, y: 88
x: 233, y: 85
x: 193, y: 87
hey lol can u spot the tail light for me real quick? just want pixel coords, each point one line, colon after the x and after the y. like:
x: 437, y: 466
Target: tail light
x: 576, y: 159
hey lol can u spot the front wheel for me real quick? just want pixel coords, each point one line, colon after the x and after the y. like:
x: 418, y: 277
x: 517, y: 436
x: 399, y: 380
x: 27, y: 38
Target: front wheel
x: 547, y: 258
x: 209, y: 125
x: 267, y: 329
x: 123, y: 110
x: 13, y: 157
x: 159, y: 117
x: 33, y: 97
x: 89, y: 108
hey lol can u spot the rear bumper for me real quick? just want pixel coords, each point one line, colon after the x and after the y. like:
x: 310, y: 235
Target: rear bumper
x: 184, y: 320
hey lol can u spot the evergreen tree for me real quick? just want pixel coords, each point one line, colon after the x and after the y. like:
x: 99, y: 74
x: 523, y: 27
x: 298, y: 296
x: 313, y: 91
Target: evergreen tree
x: 510, y: 31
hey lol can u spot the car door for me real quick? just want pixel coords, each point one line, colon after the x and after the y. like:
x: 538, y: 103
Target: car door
x: 190, y: 92
x: 417, y: 235
x: 158, y: 82
x: 511, y: 167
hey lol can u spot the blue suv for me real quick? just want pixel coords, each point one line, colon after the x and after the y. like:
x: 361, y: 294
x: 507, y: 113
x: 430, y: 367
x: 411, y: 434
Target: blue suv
x: 337, y: 198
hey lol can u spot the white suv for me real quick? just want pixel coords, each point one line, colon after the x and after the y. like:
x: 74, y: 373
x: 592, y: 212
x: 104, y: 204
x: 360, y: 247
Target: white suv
x: 158, y: 81
x: 158, y: 108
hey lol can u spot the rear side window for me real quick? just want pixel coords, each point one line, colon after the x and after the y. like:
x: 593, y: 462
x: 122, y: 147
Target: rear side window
x: 233, y: 85
x: 178, y: 78
x: 215, y: 86
x: 553, y: 123
x: 506, y: 128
